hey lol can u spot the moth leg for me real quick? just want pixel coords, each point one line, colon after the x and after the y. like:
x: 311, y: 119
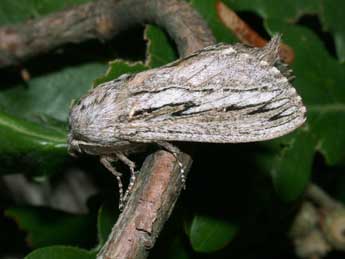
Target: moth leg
x: 131, y: 166
x: 106, y: 162
x: 175, y: 151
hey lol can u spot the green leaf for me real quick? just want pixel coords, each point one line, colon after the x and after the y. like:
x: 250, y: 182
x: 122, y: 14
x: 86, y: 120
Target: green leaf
x: 118, y: 68
x: 207, y: 9
x: 159, y: 50
x: 291, y: 168
x: 327, y: 124
x: 46, y: 226
x: 35, y: 147
x: 40, y: 149
x: 60, y: 252
x: 332, y: 15
x: 50, y: 94
x: 176, y: 250
x: 107, y: 216
x: 208, y: 234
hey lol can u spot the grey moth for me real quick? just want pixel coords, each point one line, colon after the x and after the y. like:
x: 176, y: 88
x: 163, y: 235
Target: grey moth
x: 220, y: 94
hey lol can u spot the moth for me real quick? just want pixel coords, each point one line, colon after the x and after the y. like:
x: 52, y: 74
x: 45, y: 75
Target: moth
x: 220, y: 94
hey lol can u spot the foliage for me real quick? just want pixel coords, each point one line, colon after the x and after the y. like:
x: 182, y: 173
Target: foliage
x: 239, y: 196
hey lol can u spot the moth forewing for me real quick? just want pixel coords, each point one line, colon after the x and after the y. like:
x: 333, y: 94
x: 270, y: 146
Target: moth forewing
x: 224, y: 94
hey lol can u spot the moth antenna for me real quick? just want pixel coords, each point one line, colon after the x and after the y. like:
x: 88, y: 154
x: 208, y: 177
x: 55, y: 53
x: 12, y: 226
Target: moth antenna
x: 270, y: 53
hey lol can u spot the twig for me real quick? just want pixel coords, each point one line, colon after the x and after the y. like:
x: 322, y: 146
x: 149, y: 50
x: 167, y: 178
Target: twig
x: 102, y: 19
x: 150, y: 205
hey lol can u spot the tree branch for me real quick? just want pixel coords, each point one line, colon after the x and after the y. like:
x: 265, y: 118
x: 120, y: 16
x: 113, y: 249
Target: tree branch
x: 102, y: 19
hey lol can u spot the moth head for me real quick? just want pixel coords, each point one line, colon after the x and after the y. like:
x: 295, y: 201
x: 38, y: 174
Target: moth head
x: 73, y: 146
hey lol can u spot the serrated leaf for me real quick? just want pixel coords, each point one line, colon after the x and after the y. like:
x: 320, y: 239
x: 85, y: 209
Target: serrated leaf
x: 119, y: 67
x: 208, y: 234
x: 46, y: 226
x: 159, y: 50
x: 60, y: 252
